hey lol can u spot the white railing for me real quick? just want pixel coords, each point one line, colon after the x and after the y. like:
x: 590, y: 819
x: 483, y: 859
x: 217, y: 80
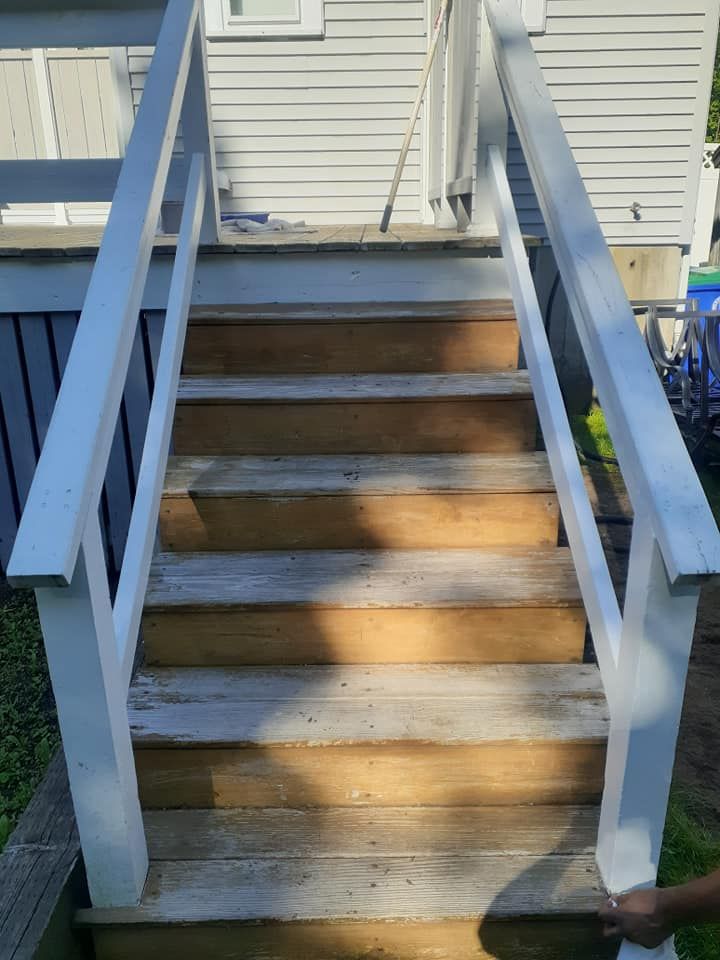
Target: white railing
x: 91, y: 643
x: 643, y: 653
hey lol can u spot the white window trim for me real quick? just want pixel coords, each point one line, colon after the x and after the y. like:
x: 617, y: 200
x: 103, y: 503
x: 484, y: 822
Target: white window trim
x: 220, y: 25
x: 535, y: 14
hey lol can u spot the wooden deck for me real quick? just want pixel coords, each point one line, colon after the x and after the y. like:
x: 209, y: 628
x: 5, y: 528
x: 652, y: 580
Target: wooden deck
x: 48, y: 240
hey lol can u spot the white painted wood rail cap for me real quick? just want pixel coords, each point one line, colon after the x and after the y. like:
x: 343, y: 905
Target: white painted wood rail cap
x: 660, y: 476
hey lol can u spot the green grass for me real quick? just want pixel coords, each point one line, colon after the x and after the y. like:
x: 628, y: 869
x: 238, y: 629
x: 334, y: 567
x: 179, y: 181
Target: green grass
x: 28, y: 723
x: 591, y: 432
x: 690, y: 849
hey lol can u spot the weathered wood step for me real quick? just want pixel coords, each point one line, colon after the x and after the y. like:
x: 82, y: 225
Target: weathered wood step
x: 381, y: 338
x: 360, y: 735
x: 364, y: 578
x: 357, y: 502
x: 345, y: 889
x: 357, y: 832
x: 340, y: 883
x: 348, y: 889
x: 524, y: 937
x: 378, y: 413
x: 378, y: 606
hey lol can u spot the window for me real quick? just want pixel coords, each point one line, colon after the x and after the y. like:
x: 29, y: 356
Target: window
x: 229, y: 19
x: 535, y: 14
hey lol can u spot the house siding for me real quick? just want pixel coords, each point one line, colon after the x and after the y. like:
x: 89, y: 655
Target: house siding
x: 21, y: 134
x: 311, y: 129
x: 631, y: 87
x: 82, y: 105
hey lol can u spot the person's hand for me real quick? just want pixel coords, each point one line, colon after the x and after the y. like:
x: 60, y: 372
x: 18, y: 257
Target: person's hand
x: 640, y: 917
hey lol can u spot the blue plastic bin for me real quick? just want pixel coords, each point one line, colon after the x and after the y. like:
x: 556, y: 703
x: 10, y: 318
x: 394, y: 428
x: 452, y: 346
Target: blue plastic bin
x: 706, y: 294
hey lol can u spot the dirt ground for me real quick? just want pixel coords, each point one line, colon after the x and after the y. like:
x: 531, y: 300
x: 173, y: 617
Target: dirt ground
x: 697, y: 766
x: 698, y: 759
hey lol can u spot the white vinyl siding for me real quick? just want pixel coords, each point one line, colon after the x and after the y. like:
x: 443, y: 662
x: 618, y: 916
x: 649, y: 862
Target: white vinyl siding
x: 629, y: 89
x: 311, y: 129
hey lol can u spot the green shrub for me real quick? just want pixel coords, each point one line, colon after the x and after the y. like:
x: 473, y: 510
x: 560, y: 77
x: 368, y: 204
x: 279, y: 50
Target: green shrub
x: 28, y: 723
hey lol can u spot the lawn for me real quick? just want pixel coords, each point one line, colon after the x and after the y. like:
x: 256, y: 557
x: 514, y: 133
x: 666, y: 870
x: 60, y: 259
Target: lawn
x: 591, y: 433
x: 27, y: 712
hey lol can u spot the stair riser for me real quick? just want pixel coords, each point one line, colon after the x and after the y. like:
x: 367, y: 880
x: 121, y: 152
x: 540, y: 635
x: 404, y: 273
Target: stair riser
x: 450, y: 940
x: 358, y: 522
x: 320, y: 636
x: 372, y: 775
x: 354, y: 347
x: 452, y: 426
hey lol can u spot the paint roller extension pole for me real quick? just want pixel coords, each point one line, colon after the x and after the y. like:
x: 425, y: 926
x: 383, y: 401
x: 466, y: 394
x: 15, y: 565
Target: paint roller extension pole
x: 437, y: 30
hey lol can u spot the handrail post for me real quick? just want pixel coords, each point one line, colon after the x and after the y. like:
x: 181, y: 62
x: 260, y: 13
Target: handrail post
x: 659, y: 620
x: 79, y: 639
x: 197, y: 130
x: 492, y: 129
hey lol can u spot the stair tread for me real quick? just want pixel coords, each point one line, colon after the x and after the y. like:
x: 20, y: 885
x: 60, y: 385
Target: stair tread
x: 368, y: 475
x: 364, y: 579
x: 341, y: 832
x: 431, y: 888
x: 469, y: 310
x: 322, y: 388
x: 347, y: 705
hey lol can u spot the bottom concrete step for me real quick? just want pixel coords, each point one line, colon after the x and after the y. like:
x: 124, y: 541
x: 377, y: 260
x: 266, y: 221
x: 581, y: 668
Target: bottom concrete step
x: 511, y: 883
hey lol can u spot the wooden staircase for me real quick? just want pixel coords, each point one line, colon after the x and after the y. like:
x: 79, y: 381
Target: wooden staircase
x: 363, y: 728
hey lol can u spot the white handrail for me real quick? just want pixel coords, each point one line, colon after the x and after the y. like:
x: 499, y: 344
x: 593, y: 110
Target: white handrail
x: 675, y: 541
x: 659, y: 474
x: 58, y: 549
x: 71, y: 470
x: 127, y: 609
x: 593, y: 576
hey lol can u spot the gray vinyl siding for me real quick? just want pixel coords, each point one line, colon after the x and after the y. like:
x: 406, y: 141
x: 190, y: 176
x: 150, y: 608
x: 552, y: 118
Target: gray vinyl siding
x: 631, y: 83
x: 311, y: 129
x: 84, y: 119
x: 21, y: 135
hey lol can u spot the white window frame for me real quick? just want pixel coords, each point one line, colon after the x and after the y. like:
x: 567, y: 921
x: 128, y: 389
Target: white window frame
x: 222, y: 25
x: 535, y: 15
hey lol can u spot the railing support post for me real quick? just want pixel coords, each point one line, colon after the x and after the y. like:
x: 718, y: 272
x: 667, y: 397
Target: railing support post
x: 492, y: 129
x: 658, y: 625
x: 197, y: 130
x: 79, y: 637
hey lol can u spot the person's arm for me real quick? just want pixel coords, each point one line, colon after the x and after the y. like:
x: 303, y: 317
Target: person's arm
x: 649, y: 917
